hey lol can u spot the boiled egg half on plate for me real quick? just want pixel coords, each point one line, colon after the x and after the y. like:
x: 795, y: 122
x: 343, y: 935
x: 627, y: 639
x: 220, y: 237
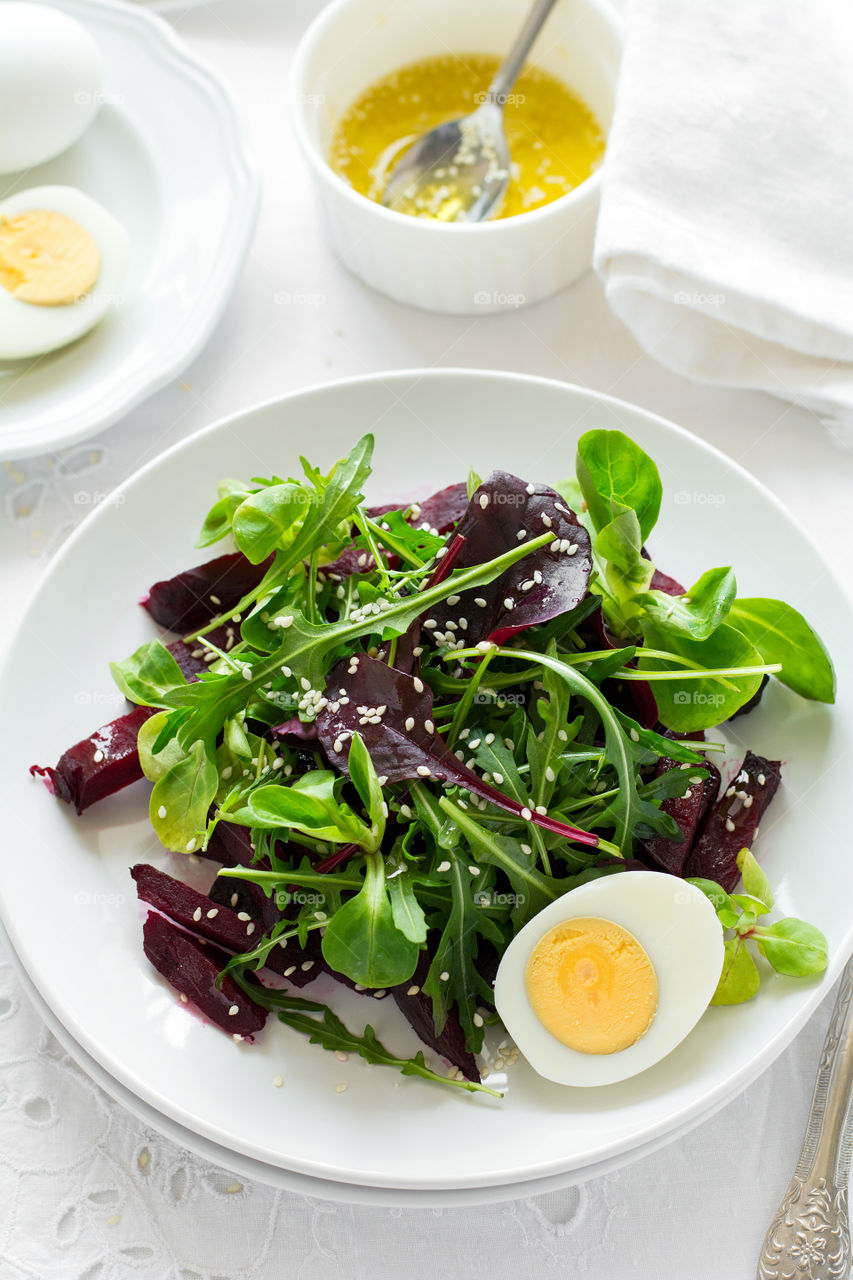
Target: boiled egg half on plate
x: 607, y: 980
x: 63, y: 260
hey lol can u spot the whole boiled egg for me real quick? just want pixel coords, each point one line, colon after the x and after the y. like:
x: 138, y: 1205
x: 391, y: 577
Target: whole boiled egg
x: 51, y: 83
x: 607, y: 980
x: 63, y: 260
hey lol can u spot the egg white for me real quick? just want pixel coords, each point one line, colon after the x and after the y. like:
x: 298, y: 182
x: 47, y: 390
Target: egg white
x: 51, y: 83
x: 681, y: 934
x: 30, y: 330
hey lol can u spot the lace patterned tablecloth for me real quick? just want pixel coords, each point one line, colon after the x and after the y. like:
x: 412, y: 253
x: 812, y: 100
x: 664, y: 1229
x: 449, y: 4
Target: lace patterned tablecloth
x: 87, y: 1192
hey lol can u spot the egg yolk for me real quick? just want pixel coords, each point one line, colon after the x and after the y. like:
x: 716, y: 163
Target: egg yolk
x: 47, y: 259
x: 554, y: 140
x: 592, y: 985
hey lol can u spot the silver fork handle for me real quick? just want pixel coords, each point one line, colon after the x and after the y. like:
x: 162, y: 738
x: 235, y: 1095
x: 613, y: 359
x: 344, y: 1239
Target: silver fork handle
x: 507, y: 73
x: 809, y: 1238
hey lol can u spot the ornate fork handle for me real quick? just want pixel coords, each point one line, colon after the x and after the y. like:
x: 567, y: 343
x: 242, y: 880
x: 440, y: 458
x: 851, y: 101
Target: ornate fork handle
x: 809, y: 1238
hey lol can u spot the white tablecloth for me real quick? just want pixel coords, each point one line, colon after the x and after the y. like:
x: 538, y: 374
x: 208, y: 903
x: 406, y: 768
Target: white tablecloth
x: 85, y: 1192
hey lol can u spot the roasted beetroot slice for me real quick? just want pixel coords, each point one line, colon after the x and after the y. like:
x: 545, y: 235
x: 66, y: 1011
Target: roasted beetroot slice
x: 231, y: 845
x: 190, y: 657
x: 186, y: 602
x: 733, y: 822
x: 191, y: 967
x: 689, y: 811
x: 417, y: 1010
x: 191, y: 909
x: 101, y: 764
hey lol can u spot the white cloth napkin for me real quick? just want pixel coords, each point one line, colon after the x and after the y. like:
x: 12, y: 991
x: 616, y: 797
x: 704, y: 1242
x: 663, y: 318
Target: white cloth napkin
x: 725, y: 238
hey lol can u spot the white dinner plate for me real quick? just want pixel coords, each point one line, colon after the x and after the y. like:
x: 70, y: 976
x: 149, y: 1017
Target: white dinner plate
x: 68, y: 902
x: 166, y: 156
x: 320, y: 1188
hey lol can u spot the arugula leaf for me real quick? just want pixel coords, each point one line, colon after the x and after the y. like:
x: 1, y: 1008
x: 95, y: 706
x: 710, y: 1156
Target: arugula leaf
x: 148, y: 675
x: 453, y: 975
x: 781, y: 634
x: 329, y: 1031
x: 612, y: 469
x: 698, y: 613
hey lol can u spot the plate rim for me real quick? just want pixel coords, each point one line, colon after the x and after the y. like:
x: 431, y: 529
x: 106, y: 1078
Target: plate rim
x: 18, y: 442
x: 692, y: 1113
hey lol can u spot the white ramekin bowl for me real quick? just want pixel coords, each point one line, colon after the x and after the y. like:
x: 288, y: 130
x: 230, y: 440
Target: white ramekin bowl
x: 464, y: 270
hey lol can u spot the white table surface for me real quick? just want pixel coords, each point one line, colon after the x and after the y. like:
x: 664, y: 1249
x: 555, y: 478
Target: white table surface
x: 79, y: 1197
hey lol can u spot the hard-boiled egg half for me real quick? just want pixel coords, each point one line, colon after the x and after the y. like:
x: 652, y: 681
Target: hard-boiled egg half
x: 63, y: 260
x: 607, y: 980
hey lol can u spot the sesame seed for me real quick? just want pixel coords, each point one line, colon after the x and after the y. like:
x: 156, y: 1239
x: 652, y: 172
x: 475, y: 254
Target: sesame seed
x: 526, y: 814
x: 337, y: 746
x: 443, y: 976
x: 474, y: 871
x: 452, y: 600
x: 289, y: 971
x: 509, y: 603
x: 306, y: 965
x: 541, y: 810
x: 747, y: 802
x: 233, y: 1011
x: 423, y: 771
x: 525, y: 848
x: 484, y: 500
x: 340, y: 1088
x: 441, y: 553
x: 429, y: 726
x: 418, y: 683
x: 730, y: 826
x: 572, y: 550
x: 417, y: 651
x: 477, y: 1020
x: 278, y: 1081
x: 546, y: 520
x: 98, y: 757
x: 413, y: 991
x: 234, y: 899
x: 191, y: 845
x: 237, y: 1038
x: 285, y: 621
x: 250, y: 929
x: 474, y: 743
x: 531, y: 489
x: 246, y: 673
x: 479, y: 602
x: 521, y: 535
x: 305, y: 682
x: 443, y: 866
x: 430, y: 623
x: 405, y: 811
x: 243, y: 915
x: 184, y: 999
x: 410, y: 723
x: 635, y: 737
x: 761, y: 779
x: 498, y: 777
x: 380, y: 994
x: 213, y: 913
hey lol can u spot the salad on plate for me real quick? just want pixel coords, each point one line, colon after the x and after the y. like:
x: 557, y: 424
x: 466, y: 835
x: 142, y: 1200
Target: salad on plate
x: 458, y: 754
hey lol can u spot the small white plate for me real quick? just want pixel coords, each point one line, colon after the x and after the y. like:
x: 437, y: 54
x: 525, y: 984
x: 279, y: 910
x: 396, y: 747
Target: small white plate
x: 68, y: 902
x: 166, y: 155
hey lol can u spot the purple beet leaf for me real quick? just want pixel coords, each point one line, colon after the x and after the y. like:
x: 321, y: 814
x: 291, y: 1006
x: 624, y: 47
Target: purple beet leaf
x: 392, y: 711
x: 503, y: 512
